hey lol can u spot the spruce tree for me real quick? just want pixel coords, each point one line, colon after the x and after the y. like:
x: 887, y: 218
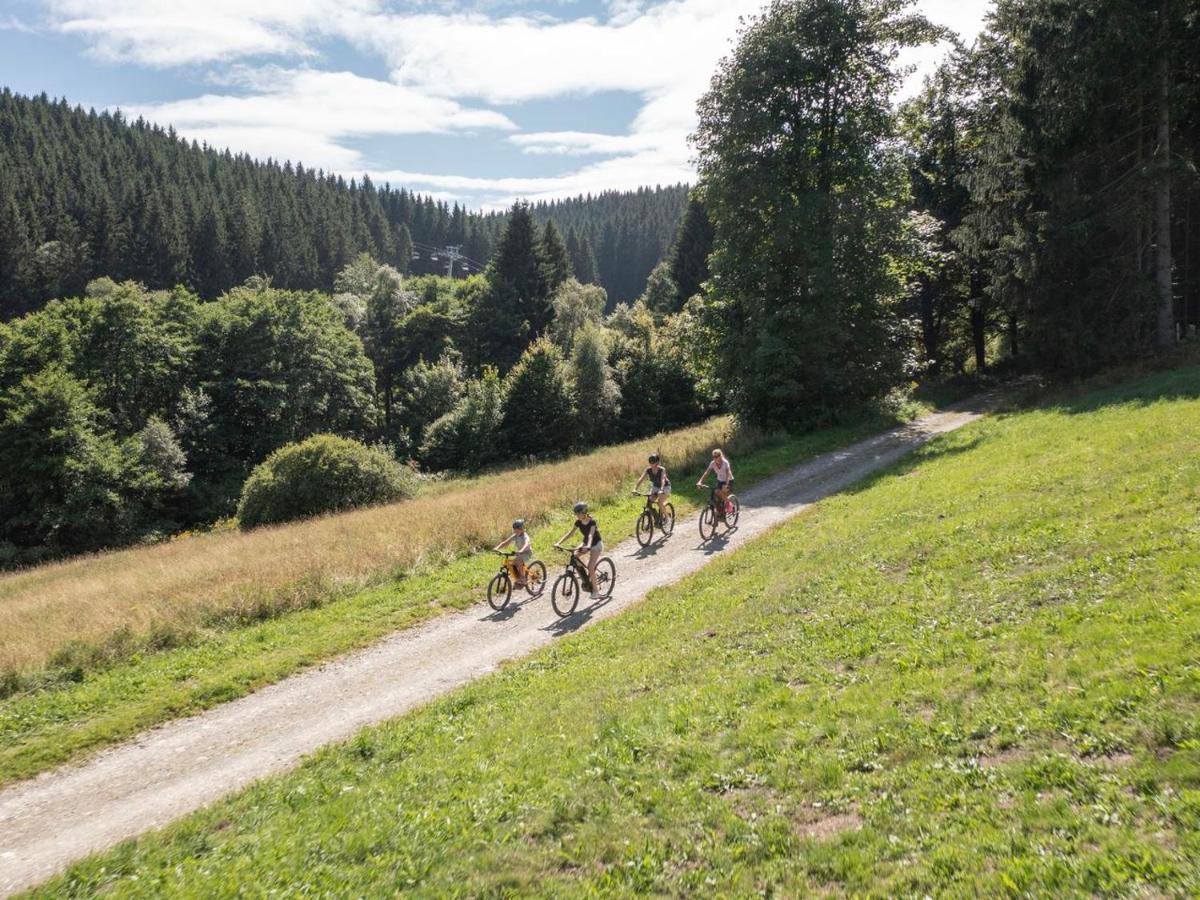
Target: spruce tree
x: 689, y: 256
x: 556, y: 264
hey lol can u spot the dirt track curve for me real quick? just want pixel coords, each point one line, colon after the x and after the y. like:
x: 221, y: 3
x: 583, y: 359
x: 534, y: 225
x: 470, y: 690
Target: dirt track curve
x: 50, y: 821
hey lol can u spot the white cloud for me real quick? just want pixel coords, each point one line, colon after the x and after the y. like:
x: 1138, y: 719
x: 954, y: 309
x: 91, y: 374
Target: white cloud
x: 12, y: 23
x: 300, y: 114
x: 451, y: 71
x: 164, y: 33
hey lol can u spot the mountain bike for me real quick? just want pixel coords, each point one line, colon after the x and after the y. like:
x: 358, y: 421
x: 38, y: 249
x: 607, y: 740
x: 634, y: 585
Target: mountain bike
x: 500, y: 588
x: 715, y: 513
x: 651, y: 518
x: 564, y: 596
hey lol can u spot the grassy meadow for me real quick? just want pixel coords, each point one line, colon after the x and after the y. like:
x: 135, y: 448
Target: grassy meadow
x: 976, y: 673
x: 169, y: 646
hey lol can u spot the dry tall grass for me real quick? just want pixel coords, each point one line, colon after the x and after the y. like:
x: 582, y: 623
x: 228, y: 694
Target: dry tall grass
x: 173, y: 588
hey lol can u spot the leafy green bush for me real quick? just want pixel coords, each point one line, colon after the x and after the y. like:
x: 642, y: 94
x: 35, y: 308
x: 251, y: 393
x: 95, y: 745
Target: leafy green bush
x: 323, y: 474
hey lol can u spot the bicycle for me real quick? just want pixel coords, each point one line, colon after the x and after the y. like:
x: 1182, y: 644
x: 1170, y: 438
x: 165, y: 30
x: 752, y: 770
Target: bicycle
x: 651, y: 518
x: 714, y: 513
x: 500, y: 588
x: 564, y: 596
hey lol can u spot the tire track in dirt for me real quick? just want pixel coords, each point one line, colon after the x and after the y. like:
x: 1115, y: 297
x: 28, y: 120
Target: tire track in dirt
x: 57, y: 818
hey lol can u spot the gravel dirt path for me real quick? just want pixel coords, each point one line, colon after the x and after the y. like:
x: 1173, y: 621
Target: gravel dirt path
x: 50, y: 821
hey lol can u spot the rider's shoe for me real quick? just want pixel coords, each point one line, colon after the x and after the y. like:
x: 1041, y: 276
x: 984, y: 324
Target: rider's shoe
x: 595, y: 596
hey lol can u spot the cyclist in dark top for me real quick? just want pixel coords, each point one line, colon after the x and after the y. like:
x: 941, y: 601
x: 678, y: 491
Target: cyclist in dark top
x: 660, y: 484
x: 592, y: 544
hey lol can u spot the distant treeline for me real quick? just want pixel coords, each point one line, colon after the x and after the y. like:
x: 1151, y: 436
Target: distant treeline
x: 86, y: 195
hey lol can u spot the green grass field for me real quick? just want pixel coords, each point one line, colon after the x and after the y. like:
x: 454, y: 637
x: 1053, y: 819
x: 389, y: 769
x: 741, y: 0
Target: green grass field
x: 44, y: 727
x: 976, y: 673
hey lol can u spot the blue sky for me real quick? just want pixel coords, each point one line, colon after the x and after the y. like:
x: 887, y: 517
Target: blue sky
x: 479, y: 101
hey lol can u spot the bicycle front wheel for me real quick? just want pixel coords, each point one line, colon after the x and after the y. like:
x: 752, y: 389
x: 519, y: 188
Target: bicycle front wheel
x: 606, y: 577
x: 564, y: 596
x: 645, y: 528
x: 499, y: 591
x: 535, y: 578
x: 708, y: 523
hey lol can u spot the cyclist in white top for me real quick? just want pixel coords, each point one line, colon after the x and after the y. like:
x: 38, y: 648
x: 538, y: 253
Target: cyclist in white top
x: 723, y: 470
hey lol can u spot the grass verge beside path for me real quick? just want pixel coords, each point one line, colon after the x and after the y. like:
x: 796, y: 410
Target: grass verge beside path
x: 40, y: 729
x: 974, y: 674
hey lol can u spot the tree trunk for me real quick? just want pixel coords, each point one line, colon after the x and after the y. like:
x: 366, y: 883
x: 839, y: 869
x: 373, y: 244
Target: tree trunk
x: 929, y: 331
x: 978, y: 337
x: 1162, y: 225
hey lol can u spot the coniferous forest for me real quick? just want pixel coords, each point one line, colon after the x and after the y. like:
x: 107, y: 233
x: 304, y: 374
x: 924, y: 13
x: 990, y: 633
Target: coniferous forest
x: 1032, y: 208
x: 88, y: 194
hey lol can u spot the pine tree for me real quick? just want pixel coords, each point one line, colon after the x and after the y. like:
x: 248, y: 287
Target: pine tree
x: 556, y: 264
x: 689, y: 256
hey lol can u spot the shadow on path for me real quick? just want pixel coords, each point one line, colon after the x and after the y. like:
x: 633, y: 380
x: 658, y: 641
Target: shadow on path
x: 503, y: 615
x: 576, y: 620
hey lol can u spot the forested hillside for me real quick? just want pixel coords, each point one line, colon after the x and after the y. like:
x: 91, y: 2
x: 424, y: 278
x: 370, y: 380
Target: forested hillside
x: 87, y: 195
x: 1032, y: 208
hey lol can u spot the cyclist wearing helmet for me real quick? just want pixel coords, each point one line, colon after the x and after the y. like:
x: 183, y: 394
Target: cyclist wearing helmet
x: 523, y: 546
x: 592, y: 544
x: 660, y: 483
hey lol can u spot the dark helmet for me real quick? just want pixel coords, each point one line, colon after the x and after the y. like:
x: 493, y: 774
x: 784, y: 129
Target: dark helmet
x: 653, y: 458
x: 580, y: 507
x: 518, y: 524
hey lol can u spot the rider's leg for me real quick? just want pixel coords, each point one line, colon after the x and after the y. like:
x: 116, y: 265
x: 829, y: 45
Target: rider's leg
x: 519, y: 566
x: 594, y: 558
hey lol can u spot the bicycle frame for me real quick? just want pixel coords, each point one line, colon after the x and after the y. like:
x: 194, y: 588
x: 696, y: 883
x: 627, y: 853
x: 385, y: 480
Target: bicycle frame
x: 576, y: 564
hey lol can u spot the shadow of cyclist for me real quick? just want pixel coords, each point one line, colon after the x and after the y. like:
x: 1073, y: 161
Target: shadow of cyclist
x: 576, y: 620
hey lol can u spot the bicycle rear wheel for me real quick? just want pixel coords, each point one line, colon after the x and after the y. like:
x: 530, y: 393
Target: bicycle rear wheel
x: 606, y: 577
x: 535, y: 578
x: 731, y: 517
x: 708, y: 523
x: 668, y: 520
x: 499, y: 591
x: 564, y: 596
x: 645, y: 528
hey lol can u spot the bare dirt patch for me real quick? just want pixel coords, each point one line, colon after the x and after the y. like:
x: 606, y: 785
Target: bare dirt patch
x: 1008, y: 757
x: 818, y: 824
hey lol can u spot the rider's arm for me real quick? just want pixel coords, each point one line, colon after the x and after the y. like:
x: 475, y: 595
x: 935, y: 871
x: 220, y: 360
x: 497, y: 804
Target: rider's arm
x: 504, y: 543
x: 567, y: 535
x: 700, y: 483
x: 637, y: 484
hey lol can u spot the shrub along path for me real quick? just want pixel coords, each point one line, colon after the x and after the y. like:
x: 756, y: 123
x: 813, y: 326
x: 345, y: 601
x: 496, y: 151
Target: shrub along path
x: 58, y: 818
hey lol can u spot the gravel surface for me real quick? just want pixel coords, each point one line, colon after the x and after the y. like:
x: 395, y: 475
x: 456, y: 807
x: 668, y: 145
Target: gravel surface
x: 50, y: 821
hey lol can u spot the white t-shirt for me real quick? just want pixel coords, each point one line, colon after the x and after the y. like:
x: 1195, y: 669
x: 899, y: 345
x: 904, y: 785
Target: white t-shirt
x: 721, y: 469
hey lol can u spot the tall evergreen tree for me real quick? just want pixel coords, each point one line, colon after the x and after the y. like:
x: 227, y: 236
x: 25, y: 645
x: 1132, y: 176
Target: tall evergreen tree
x: 689, y: 256
x: 556, y: 263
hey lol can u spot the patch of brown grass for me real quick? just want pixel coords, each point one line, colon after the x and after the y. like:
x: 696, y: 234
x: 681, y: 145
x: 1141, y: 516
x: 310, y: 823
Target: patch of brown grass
x: 111, y: 603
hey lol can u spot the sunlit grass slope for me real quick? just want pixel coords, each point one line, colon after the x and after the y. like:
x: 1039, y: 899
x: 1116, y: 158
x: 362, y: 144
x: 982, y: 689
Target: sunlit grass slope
x: 95, y: 694
x: 976, y: 674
